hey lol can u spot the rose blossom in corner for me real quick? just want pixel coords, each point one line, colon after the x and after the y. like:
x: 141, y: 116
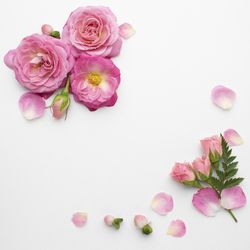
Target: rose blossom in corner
x: 40, y: 63
x: 93, y: 30
x: 94, y: 82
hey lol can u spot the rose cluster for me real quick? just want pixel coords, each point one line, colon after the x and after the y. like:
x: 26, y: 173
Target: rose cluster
x: 77, y: 62
x: 214, y: 174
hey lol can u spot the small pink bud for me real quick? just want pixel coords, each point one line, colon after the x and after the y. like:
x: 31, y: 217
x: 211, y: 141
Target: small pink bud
x: 79, y: 219
x: 60, y: 106
x: 47, y: 29
x: 108, y: 220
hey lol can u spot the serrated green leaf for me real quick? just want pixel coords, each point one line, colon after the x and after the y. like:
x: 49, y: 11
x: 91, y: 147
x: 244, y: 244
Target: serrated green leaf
x: 215, y: 183
x: 231, y: 166
x: 233, y: 182
x: 230, y: 159
x: 231, y: 173
x: 220, y: 174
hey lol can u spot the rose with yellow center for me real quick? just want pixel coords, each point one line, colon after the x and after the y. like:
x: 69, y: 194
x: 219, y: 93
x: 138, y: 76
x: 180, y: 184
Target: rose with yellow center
x: 94, y: 81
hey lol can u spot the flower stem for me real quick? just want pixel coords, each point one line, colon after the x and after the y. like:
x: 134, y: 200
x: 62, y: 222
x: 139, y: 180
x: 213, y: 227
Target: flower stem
x: 232, y: 215
x: 66, y: 89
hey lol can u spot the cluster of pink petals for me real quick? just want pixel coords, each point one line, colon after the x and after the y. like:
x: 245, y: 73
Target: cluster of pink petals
x: 92, y: 95
x: 182, y: 172
x: 207, y: 201
x: 211, y: 144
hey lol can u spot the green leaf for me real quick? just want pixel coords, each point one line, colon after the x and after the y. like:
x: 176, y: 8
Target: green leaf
x: 231, y: 173
x: 215, y: 183
x: 231, y: 166
x: 233, y: 182
x: 220, y: 174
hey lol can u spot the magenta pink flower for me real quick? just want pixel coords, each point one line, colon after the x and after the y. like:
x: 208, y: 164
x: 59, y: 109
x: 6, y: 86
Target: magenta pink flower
x: 162, y: 203
x: 206, y: 201
x: 182, y: 172
x: 94, y: 81
x: 31, y: 106
x: 40, y: 63
x: 212, y: 144
x: 232, y: 198
x: 94, y: 31
x: 201, y: 165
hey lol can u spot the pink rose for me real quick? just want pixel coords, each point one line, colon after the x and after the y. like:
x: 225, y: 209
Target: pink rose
x: 212, y: 144
x: 94, y: 81
x: 94, y: 31
x: 202, y: 165
x: 40, y: 63
x: 182, y: 172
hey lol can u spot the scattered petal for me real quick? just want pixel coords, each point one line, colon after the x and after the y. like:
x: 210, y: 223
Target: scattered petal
x: 79, y: 219
x: 31, y: 106
x: 232, y: 198
x: 232, y: 137
x: 223, y: 97
x: 177, y: 228
x: 206, y: 201
x: 140, y: 221
x: 162, y: 203
x: 126, y: 30
x: 108, y: 220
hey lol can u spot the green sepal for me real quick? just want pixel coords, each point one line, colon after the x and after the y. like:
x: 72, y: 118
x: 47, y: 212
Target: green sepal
x: 117, y: 223
x: 55, y: 34
x: 194, y: 183
x: 147, y: 229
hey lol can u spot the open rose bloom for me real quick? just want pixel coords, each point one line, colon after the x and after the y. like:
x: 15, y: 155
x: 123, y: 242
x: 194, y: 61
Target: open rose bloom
x: 94, y: 82
x: 40, y: 63
x: 94, y: 31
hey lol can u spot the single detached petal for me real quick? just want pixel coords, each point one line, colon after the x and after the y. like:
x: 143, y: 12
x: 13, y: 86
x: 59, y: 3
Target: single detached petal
x: 79, y: 219
x: 108, y: 220
x: 140, y: 221
x: 31, y: 106
x: 232, y: 137
x: 126, y: 30
x: 232, y: 198
x: 162, y: 203
x: 206, y: 201
x: 223, y: 97
x: 177, y: 228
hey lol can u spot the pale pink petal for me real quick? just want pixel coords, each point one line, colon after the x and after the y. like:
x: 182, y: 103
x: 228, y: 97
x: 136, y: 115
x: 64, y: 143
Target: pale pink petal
x: 206, y: 201
x: 108, y: 220
x: 232, y: 137
x: 223, y: 97
x: 177, y: 228
x: 31, y: 106
x: 232, y: 198
x: 140, y: 221
x: 162, y: 203
x: 79, y: 219
x: 126, y: 30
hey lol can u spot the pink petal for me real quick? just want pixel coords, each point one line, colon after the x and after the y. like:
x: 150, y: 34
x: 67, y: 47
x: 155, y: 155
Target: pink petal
x: 79, y: 219
x: 140, y: 221
x: 232, y: 137
x: 126, y: 30
x: 162, y: 203
x: 31, y: 105
x: 232, y: 198
x: 177, y: 228
x: 108, y: 220
x: 206, y: 201
x: 223, y: 97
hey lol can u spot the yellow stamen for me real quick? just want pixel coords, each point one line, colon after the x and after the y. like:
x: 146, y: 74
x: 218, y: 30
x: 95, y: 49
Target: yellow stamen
x: 94, y: 78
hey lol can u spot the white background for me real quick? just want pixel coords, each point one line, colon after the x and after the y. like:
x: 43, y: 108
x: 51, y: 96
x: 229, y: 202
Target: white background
x: 114, y: 160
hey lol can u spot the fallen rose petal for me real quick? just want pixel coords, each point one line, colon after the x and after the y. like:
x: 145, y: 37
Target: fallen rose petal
x: 79, y: 219
x: 177, y: 228
x: 126, y: 30
x: 232, y: 137
x: 140, y: 221
x: 162, y: 203
x: 108, y: 220
x: 206, y: 201
x: 31, y: 106
x: 232, y: 198
x: 223, y: 97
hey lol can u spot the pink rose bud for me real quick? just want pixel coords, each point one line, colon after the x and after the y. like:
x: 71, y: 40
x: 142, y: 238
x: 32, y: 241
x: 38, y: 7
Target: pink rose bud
x: 202, y: 167
x: 211, y: 144
x: 61, y: 102
x: 47, y: 29
x: 182, y: 172
x: 142, y: 223
x: 113, y: 222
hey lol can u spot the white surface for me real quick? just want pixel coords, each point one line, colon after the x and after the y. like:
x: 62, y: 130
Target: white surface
x: 114, y: 160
